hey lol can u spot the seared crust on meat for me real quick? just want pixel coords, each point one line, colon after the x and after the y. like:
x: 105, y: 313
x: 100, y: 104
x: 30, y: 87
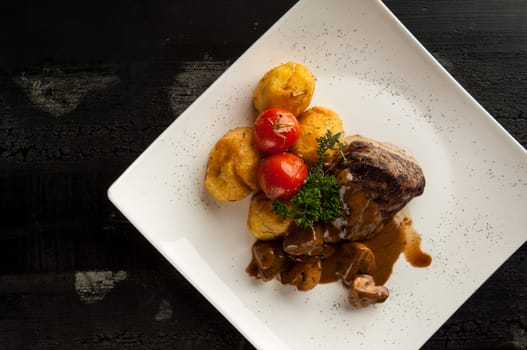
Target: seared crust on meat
x: 386, y: 173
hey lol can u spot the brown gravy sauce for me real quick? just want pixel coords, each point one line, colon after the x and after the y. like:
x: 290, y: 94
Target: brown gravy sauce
x: 397, y: 236
x: 360, y: 241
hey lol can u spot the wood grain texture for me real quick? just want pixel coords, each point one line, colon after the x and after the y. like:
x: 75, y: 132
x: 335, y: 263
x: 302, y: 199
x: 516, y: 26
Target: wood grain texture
x: 86, y: 86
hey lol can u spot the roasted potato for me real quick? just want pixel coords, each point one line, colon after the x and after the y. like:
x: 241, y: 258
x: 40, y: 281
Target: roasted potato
x: 262, y: 222
x: 247, y: 157
x: 314, y: 123
x: 290, y: 86
x: 233, y: 165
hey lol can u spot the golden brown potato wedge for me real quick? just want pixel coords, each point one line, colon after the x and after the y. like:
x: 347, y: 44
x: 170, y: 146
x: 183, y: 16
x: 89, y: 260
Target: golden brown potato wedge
x: 247, y: 158
x: 262, y: 221
x: 314, y: 123
x: 289, y: 85
x: 233, y: 165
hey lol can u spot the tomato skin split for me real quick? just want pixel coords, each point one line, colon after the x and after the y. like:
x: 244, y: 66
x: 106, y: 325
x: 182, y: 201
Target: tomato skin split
x: 281, y: 175
x: 275, y: 130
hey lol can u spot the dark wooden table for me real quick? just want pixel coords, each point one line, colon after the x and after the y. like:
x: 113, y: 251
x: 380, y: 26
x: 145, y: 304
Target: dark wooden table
x: 85, y: 86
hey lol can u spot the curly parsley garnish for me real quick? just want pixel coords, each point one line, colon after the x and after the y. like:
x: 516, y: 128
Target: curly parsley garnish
x: 318, y: 199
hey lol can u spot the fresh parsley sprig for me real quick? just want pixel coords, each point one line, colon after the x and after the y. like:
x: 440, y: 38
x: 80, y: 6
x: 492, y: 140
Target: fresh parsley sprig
x: 318, y: 198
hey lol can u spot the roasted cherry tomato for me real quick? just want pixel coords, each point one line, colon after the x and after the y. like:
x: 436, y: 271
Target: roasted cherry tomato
x: 275, y: 130
x: 281, y: 175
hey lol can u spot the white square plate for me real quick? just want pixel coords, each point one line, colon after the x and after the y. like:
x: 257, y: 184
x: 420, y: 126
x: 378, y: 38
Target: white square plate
x: 386, y: 86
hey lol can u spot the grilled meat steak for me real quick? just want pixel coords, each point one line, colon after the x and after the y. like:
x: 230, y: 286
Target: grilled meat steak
x: 386, y: 173
x: 377, y: 177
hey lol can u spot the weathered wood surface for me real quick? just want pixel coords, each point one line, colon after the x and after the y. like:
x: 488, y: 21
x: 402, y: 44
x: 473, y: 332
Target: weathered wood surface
x: 85, y: 87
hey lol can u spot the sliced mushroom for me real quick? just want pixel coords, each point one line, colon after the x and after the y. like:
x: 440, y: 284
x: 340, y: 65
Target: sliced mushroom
x: 362, y: 261
x: 347, y: 261
x: 308, y: 241
x: 267, y: 260
x: 364, y: 292
x: 304, y: 274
